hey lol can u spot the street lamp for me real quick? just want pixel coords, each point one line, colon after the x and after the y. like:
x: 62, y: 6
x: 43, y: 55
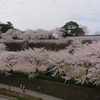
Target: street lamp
x: 10, y: 72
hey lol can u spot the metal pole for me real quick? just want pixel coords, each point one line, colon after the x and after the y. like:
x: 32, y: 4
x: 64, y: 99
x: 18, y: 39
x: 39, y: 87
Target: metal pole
x: 9, y: 77
x: 9, y: 83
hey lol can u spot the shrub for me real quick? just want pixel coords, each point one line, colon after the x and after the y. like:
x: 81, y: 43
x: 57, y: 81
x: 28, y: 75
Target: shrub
x: 20, y: 98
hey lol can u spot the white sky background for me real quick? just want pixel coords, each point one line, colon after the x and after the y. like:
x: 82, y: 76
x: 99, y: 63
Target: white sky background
x: 49, y: 14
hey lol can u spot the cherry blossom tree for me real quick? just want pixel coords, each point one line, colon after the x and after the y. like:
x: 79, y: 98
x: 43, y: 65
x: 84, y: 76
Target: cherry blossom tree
x: 8, y: 60
x: 84, y: 58
x: 11, y: 34
x: 35, y: 57
x: 61, y: 64
x: 87, y: 57
x: 35, y: 35
x: 69, y: 63
x: 2, y: 47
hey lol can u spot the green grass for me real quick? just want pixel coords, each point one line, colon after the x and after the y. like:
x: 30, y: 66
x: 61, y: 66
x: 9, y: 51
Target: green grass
x: 65, y: 91
x: 48, y: 77
x: 43, y: 76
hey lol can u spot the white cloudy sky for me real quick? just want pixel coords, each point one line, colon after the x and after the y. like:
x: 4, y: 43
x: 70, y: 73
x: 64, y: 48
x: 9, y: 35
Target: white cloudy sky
x: 49, y: 14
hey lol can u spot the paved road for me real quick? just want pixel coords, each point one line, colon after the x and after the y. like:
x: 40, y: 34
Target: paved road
x: 33, y: 93
x: 3, y: 98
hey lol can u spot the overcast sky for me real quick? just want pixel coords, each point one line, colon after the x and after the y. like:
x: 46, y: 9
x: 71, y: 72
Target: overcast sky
x: 49, y: 14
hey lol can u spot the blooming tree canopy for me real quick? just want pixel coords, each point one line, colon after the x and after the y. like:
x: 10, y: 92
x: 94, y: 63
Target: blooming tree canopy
x: 7, y: 61
x: 11, y: 34
x: 2, y: 47
x: 78, y: 61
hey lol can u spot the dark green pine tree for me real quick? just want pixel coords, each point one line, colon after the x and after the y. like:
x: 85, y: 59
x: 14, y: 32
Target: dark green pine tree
x: 5, y: 27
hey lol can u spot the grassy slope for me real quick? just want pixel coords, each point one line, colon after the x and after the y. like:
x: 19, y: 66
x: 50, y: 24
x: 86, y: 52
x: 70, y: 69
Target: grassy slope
x: 64, y: 91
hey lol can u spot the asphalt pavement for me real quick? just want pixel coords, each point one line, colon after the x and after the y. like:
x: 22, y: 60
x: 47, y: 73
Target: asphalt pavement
x: 29, y: 92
